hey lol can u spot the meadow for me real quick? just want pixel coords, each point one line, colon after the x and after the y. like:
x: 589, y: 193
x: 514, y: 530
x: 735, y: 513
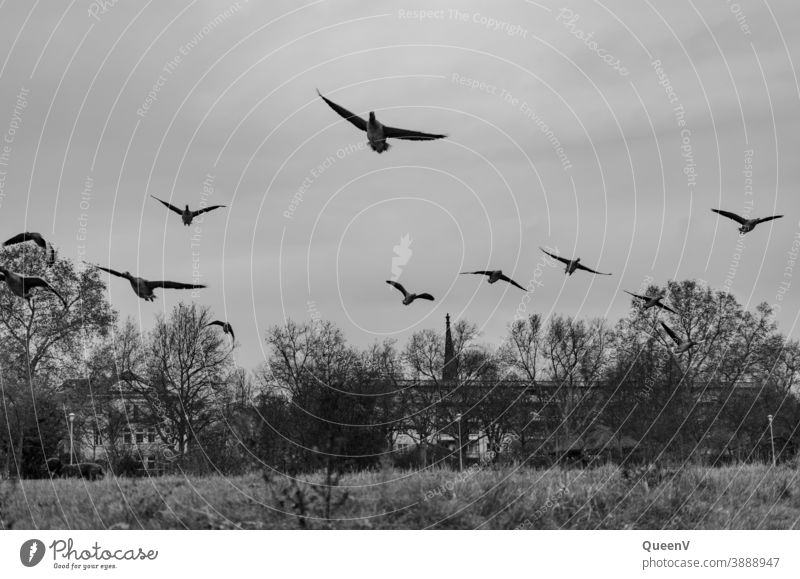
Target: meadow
x: 731, y: 497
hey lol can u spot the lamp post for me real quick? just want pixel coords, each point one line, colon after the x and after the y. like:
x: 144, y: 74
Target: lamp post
x: 71, y: 421
x: 460, y: 444
x: 771, y: 439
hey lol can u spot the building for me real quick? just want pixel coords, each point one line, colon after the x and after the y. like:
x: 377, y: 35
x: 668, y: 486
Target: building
x: 109, y: 423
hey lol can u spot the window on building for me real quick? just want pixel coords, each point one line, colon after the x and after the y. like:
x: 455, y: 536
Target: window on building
x: 126, y: 436
x: 151, y: 435
x: 139, y: 436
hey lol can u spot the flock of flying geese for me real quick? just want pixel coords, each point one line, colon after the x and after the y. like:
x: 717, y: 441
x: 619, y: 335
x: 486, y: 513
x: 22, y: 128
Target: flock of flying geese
x: 377, y: 134
x: 21, y: 285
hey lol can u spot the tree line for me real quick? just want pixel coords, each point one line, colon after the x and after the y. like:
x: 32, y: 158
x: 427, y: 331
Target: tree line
x: 554, y: 389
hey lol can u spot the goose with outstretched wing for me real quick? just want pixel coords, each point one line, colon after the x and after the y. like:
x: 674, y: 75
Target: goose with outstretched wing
x: 572, y: 264
x: 21, y: 285
x: 408, y: 298
x: 681, y: 346
x: 746, y: 224
x: 652, y: 301
x: 494, y: 276
x: 377, y: 133
x: 144, y: 288
x: 187, y: 215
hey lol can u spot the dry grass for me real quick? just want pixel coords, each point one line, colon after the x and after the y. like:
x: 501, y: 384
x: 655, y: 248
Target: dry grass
x: 743, y: 497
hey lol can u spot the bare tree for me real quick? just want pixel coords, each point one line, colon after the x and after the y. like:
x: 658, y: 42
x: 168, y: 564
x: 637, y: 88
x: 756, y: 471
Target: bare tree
x: 575, y: 353
x: 183, y: 373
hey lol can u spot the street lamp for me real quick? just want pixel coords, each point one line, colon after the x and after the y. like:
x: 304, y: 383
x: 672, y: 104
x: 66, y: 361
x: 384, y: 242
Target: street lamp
x: 460, y: 444
x: 71, y: 421
x: 771, y: 439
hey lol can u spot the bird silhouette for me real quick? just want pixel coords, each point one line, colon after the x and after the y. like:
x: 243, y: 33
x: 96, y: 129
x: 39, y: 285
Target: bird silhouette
x: 681, y: 346
x: 377, y: 133
x: 494, y: 276
x: 21, y: 285
x: 39, y: 240
x: 226, y: 327
x: 187, y: 215
x: 573, y: 264
x: 746, y: 224
x: 408, y: 297
x: 650, y: 301
x: 144, y: 288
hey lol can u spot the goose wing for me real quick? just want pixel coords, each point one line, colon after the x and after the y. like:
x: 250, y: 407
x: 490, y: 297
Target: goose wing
x: 32, y: 282
x: 394, y: 284
x: 729, y: 215
x: 204, y: 209
x: 561, y: 259
x: 666, y: 307
x: 344, y: 113
x: 591, y: 270
x: 111, y: 271
x: 395, y: 133
x: 504, y: 277
x: 168, y: 205
x: 763, y: 219
x: 425, y: 296
x: 672, y: 334
x: 173, y: 285
x: 28, y: 236
x: 481, y: 272
x: 226, y: 327
x: 636, y: 295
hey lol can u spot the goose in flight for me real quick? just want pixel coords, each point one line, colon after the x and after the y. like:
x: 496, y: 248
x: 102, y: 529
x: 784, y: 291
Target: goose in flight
x: 573, y: 264
x: 144, y: 288
x: 746, y: 224
x: 21, y: 285
x: 650, y: 301
x: 39, y: 240
x: 681, y: 346
x: 377, y: 133
x: 407, y: 297
x: 494, y: 276
x: 186, y: 214
x: 226, y: 327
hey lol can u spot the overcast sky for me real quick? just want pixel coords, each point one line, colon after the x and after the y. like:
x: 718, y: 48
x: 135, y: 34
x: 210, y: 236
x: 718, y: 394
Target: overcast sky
x: 564, y: 124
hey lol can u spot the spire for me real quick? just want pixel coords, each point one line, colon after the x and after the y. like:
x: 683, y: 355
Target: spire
x: 450, y: 371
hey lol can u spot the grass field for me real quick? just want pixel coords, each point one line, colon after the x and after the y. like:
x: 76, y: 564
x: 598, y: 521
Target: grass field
x: 736, y: 497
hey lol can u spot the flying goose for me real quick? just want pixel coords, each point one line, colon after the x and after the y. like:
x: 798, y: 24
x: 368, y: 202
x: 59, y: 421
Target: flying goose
x: 650, y: 301
x: 21, y: 285
x: 495, y: 275
x: 144, y: 288
x: 378, y: 133
x: 746, y: 224
x: 681, y: 345
x: 39, y: 240
x: 186, y: 214
x: 573, y: 264
x: 226, y: 327
x: 407, y: 297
